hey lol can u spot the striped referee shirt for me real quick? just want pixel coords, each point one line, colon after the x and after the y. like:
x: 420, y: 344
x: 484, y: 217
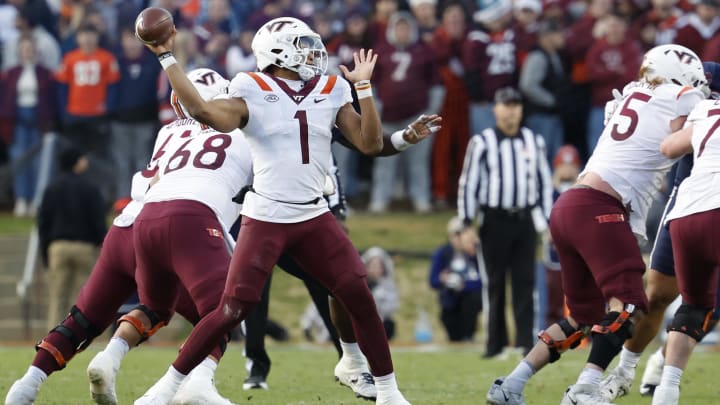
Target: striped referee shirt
x: 504, y: 172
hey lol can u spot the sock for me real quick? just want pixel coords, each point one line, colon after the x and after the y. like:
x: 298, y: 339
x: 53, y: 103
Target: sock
x: 590, y: 376
x: 173, y: 377
x: 671, y: 376
x: 386, y: 384
x: 628, y: 359
x: 117, y: 348
x: 206, y: 368
x: 352, y: 354
x: 34, y: 376
x: 516, y: 380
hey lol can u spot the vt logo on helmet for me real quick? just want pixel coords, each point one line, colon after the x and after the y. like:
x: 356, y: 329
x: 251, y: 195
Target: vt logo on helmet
x: 289, y: 43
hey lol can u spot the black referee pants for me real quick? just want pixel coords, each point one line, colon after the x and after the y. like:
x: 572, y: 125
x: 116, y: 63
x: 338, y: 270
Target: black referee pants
x: 509, y: 244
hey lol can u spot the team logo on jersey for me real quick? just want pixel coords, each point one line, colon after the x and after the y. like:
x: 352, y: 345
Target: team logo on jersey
x: 271, y: 98
x: 215, y: 233
x: 317, y: 100
x: 298, y: 98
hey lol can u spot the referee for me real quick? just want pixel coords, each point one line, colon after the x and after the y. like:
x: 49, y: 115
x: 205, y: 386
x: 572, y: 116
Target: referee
x: 506, y: 183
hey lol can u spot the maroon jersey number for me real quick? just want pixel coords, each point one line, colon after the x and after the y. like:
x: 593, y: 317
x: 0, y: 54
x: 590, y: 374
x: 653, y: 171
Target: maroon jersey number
x: 711, y: 131
x: 209, y: 146
x: 301, y: 116
x: 628, y: 111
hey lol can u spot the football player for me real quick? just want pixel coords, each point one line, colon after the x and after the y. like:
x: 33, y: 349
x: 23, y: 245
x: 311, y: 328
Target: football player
x: 661, y: 290
x: 287, y: 111
x: 596, y: 225
x: 696, y: 257
x: 111, y: 283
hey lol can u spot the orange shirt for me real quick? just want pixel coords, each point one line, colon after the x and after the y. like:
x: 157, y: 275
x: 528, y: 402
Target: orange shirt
x: 87, y: 77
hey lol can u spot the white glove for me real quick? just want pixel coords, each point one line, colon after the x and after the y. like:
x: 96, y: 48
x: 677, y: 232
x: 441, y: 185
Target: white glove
x: 612, y: 105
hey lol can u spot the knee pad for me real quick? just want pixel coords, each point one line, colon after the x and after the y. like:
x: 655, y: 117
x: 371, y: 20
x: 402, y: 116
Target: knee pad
x: 155, y: 323
x: 609, y: 336
x: 68, y: 329
x: 692, y: 321
x: 573, y: 337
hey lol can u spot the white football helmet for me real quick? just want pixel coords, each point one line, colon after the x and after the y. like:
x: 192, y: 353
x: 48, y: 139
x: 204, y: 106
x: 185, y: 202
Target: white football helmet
x: 675, y: 64
x: 289, y: 43
x: 208, y: 83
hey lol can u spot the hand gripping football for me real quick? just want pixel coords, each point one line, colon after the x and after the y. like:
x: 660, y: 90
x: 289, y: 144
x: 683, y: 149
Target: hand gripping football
x: 154, y: 26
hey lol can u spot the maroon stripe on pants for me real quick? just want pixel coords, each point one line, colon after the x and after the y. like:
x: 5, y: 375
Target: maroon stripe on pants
x: 599, y: 254
x: 323, y: 250
x: 697, y: 254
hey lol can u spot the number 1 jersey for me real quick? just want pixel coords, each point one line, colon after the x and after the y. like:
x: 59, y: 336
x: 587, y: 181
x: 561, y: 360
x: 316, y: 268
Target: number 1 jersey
x: 289, y: 130
x: 628, y: 156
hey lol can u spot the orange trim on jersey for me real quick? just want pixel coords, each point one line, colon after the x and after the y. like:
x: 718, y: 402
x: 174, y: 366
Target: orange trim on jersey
x: 176, y: 106
x: 264, y: 86
x: 329, y: 85
x: 684, y: 89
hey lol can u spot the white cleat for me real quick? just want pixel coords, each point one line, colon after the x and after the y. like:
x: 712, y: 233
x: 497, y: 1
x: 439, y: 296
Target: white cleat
x: 101, y: 372
x: 499, y: 395
x: 358, y: 379
x: 159, y: 394
x: 651, y: 376
x: 198, y: 389
x: 21, y: 394
x: 617, y: 384
x: 666, y: 395
x: 583, y: 394
x: 395, y: 398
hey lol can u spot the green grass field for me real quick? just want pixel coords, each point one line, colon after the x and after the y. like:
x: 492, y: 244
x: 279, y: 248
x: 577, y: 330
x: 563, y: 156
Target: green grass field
x: 303, y: 375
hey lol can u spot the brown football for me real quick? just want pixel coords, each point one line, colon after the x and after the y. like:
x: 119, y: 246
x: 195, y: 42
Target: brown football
x: 154, y: 25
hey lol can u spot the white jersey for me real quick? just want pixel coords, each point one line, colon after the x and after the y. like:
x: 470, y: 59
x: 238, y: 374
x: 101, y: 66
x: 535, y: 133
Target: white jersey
x: 289, y: 130
x: 201, y: 165
x: 699, y: 191
x: 628, y: 156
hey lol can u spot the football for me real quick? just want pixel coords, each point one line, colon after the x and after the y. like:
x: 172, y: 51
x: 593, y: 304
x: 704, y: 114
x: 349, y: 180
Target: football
x: 154, y: 25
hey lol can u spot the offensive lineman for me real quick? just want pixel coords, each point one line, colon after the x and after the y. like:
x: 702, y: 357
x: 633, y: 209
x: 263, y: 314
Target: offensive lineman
x: 594, y: 225
x: 287, y: 111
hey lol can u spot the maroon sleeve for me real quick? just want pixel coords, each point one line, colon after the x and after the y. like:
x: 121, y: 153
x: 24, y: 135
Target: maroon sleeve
x: 579, y: 39
x: 598, y: 71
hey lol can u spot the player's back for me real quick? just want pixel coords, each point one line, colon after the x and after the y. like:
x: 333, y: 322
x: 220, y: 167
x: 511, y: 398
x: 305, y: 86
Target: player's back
x: 289, y: 130
x: 200, y: 164
x: 628, y: 153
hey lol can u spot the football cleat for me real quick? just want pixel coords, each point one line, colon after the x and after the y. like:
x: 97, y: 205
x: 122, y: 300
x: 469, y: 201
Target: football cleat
x: 198, y: 389
x: 159, y: 394
x: 101, y: 372
x: 395, y: 398
x: 21, y: 394
x: 358, y: 379
x: 583, y: 394
x: 499, y: 395
x: 255, y: 382
x: 617, y: 384
x: 653, y: 373
x: 666, y: 395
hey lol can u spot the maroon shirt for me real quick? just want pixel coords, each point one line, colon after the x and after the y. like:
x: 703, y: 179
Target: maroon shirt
x: 693, y: 34
x: 611, y: 67
x: 403, y: 79
x: 490, y: 63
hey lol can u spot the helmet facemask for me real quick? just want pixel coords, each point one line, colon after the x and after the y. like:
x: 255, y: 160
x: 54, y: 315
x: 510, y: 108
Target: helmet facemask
x: 310, y: 58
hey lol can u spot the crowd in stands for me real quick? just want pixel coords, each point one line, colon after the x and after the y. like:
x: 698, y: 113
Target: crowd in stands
x: 75, y: 66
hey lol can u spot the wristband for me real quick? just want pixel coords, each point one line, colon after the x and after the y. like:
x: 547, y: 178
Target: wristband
x: 398, y: 141
x: 166, y: 59
x: 363, y: 89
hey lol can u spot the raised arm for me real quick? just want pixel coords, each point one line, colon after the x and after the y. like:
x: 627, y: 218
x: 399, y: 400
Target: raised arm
x: 363, y: 130
x: 224, y: 115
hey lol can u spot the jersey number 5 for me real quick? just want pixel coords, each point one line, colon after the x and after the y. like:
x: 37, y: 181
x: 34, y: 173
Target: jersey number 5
x: 629, y: 112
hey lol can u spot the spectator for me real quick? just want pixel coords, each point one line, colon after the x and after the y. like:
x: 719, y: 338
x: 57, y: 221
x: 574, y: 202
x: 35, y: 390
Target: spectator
x: 696, y: 28
x: 425, y: 13
x: 449, y: 144
x: 379, y: 22
x: 71, y: 227
x: 381, y: 280
x: 239, y: 57
x: 515, y: 205
x: 489, y: 59
x: 545, y: 86
x: 612, y: 61
x: 88, y: 72
x: 45, y: 44
x: 525, y: 26
x: 656, y: 26
x: 134, y: 110
x: 566, y: 167
x: 455, y: 273
x: 408, y: 84
x: 27, y: 110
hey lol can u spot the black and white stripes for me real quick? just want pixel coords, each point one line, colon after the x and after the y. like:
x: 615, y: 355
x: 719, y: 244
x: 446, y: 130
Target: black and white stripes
x: 504, y: 172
